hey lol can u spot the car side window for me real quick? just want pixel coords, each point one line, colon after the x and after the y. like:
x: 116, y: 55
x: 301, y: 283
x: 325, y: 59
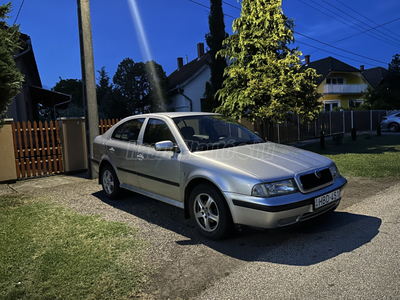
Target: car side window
x: 157, y: 131
x: 128, y: 131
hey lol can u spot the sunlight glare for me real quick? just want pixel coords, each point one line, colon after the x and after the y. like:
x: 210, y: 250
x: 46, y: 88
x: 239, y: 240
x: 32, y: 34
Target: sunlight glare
x: 144, y: 44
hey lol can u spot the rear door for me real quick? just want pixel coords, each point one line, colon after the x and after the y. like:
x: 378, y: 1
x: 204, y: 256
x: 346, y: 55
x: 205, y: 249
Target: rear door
x: 122, y: 148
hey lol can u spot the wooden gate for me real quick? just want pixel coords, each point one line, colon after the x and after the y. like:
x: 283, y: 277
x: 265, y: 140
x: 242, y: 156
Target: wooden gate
x: 37, y: 149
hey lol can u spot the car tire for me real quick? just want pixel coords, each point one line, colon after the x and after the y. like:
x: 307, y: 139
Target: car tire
x: 393, y: 127
x: 110, y: 182
x: 210, y: 212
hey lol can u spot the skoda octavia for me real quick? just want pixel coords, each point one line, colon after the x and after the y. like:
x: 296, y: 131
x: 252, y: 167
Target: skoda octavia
x: 219, y: 172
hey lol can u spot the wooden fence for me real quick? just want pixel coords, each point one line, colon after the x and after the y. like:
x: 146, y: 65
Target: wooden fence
x: 104, y: 125
x: 37, y: 148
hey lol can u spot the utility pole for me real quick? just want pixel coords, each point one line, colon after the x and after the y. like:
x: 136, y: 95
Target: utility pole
x: 88, y: 80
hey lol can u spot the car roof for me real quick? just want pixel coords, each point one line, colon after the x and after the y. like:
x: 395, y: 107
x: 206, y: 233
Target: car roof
x: 176, y: 114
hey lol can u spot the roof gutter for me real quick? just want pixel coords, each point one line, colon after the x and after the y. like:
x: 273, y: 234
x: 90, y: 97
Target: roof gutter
x: 28, y: 42
x: 180, y: 91
x: 59, y: 104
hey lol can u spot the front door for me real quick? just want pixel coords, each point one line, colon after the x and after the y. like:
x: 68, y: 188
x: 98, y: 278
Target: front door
x: 158, y: 171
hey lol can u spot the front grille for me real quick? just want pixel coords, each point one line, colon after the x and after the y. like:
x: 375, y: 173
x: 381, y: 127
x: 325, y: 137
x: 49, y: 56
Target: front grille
x: 315, y: 179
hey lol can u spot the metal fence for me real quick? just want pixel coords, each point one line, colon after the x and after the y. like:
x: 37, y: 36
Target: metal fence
x: 332, y: 122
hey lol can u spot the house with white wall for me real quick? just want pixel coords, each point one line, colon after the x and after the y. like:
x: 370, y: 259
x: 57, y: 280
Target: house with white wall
x: 187, y: 83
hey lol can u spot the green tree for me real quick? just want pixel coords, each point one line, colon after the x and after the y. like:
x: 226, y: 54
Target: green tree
x: 142, y: 86
x: 157, y: 88
x: 10, y: 77
x: 387, y: 94
x: 265, y: 78
x: 105, y: 95
x: 71, y: 87
x: 214, y: 41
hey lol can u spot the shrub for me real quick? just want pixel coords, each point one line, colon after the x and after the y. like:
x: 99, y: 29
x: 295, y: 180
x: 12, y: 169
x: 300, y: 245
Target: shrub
x: 338, y: 138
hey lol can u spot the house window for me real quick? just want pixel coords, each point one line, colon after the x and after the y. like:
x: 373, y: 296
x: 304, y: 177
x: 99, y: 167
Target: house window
x: 335, y: 80
x: 354, y: 103
x: 329, y: 105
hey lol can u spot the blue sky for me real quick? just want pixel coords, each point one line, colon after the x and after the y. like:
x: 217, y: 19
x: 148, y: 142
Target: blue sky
x: 173, y: 28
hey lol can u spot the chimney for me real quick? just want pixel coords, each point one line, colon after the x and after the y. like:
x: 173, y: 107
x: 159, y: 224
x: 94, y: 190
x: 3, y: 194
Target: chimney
x: 200, y: 50
x: 307, y: 57
x: 180, y: 62
x: 362, y: 68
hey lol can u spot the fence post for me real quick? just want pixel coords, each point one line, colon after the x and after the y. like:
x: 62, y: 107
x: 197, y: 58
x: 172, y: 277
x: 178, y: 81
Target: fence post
x: 330, y: 122
x: 279, y: 138
x: 298, y: 128
x: 73, y: 139
x: 7, y: 153
x: 370, y: 113
x: 352, y: 121
x: 344, y: 122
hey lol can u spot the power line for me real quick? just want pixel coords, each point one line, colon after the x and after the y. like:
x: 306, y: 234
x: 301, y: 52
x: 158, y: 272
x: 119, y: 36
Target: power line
x: 368, y: 26
x: 20, y: 7
x: 209, y: 8
x: 344, y: 22
x: 231, y: 5
x: 315, y: 40
x: 366, y: 17
x: 322, y: 49
x: 372, y: 28
x: 318, y: 40
x: 362, y: 32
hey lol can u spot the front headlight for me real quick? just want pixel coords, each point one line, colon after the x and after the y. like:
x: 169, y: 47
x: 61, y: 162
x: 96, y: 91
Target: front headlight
x: 334, y: 170
x: 277, y: 188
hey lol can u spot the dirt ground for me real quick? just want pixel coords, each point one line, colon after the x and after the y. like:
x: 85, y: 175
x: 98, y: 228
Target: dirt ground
x: 183, y: 262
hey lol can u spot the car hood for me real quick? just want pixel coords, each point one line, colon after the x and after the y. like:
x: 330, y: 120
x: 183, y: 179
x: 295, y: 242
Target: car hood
x: 267, y: 160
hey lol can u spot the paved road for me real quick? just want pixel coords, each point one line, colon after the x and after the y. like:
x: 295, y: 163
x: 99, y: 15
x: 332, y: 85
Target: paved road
x: 355, y: 256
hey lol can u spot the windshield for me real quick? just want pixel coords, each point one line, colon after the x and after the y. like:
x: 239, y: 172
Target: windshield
x: 207, y: 132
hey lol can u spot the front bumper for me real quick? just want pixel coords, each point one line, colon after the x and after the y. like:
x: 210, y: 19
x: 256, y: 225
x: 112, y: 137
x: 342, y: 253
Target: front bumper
x: 280, y: 211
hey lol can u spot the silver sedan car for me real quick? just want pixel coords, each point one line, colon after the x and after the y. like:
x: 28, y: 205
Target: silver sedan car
x: 219, y: 172
x: 391, y: 122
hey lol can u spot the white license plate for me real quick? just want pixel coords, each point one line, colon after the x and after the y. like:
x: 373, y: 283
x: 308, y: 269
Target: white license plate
x: 326, y: 199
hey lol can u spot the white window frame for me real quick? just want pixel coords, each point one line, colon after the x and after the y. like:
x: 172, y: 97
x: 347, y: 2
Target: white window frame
x: 335, y: 78
x: 330, y: 102
x: 361, y: 101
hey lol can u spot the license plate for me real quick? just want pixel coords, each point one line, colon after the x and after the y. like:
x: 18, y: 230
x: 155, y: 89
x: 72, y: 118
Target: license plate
x: 326, y: 199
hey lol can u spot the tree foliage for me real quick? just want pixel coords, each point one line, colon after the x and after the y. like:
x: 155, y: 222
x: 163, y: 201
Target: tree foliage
x: 265, y: 78
x: 10, y: 77
x: 387, y: 94
x: 105, y: 96
x: 214, y: 40
x: 71, y: 87
x: 142, y: 86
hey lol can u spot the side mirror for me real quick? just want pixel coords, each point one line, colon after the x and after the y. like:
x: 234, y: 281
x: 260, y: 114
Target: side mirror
x: 165, y: 146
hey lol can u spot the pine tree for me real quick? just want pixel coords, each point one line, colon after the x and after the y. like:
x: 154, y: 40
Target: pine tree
x: 10, y: 77
x: 265, y: 79
x: 214, y: 41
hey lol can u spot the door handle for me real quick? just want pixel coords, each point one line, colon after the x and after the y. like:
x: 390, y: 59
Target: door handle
x: 111, y: 149
x: 140, y: 157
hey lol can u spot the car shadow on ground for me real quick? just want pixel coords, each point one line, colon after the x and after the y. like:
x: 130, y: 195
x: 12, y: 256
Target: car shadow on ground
x: 307, y: 243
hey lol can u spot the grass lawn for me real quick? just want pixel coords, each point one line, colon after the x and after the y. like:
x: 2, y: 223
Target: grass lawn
x: 50, y: 252
x: 370, y: 156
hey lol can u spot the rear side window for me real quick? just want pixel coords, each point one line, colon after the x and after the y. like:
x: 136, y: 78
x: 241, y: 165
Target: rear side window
x: 128, y: 131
